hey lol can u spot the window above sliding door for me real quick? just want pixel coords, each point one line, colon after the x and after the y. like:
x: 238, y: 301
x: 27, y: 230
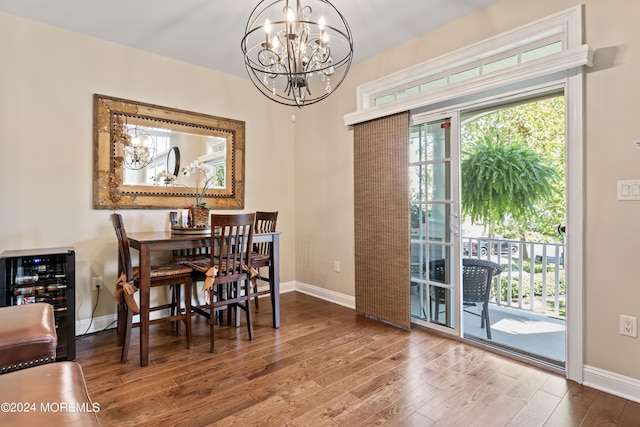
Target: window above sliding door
x: 541, y: 48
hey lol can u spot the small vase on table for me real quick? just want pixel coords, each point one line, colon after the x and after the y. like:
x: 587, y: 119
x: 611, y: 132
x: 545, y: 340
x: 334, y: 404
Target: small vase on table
x: 199, y: 217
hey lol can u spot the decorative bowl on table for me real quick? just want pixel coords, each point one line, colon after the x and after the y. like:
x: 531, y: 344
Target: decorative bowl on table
x: 204, y: 231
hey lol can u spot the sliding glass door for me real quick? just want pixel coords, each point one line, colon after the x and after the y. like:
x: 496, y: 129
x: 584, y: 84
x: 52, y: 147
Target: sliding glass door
x: 434, y: 184
x: 487, y: 192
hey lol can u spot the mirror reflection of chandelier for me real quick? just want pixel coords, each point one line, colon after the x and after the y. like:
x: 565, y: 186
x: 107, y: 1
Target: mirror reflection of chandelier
x: 297, y: 54
x: 139, y: 148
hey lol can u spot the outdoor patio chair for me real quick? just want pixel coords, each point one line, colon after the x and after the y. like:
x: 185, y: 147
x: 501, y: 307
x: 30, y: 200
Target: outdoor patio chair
x: 437, y: 271
x: 477, y: 276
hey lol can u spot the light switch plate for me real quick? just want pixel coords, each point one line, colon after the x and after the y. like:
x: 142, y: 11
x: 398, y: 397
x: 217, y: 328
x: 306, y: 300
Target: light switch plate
x: 629, y: 190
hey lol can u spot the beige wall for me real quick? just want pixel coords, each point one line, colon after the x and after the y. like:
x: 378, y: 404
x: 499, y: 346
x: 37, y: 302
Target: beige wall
x: 47, y: 81
x: 48, y: 76
x: 324, y: 167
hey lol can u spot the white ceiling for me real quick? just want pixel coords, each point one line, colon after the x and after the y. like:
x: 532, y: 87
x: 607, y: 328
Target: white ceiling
x: 208, y: 32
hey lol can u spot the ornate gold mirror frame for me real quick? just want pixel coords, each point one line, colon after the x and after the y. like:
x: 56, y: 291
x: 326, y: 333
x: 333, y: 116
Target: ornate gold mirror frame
x: 112, y: 191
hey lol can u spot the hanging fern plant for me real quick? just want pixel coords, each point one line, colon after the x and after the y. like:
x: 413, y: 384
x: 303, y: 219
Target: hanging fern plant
x: 501, y: 180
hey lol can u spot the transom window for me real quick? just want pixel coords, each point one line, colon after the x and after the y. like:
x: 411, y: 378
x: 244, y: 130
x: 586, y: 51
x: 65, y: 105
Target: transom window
x: 541, y: 48
x: 492, y: 64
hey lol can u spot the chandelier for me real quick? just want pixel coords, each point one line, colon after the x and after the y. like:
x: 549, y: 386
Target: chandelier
x: 297, y: 54
x: 139, y: 148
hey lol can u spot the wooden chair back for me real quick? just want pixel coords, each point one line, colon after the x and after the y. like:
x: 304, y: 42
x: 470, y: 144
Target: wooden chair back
x: 265, y: 223
x: 231, y: 241
x: 123, y: 246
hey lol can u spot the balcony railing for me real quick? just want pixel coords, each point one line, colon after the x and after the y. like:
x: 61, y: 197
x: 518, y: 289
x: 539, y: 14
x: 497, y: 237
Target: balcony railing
x: 533, y: 273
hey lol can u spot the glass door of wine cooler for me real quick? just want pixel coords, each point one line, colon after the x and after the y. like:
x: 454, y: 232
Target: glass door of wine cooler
x: 46, y: 275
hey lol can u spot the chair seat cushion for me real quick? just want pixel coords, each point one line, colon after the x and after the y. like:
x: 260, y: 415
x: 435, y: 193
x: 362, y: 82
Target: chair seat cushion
x: 259, y: 260
x: 202, y: 267
x: 198, y: 265
x: 181, y: 259
x: 164, y: 270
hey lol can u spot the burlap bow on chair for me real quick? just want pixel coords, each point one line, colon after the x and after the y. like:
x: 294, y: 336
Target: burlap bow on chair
x: 213, y: 272
x: 208, y: 281
x: 253, y: 275
x: 126, y: 290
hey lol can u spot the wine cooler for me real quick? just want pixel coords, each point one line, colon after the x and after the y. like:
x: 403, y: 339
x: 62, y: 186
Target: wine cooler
x: 43, y: 275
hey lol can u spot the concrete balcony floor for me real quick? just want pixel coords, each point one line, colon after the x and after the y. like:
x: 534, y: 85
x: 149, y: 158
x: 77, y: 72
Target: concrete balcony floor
x: 524, y: 332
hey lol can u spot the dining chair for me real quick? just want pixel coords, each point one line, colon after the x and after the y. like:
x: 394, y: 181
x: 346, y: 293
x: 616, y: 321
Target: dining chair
x: 477, y: 279
x: 231, y: 243
x: 261, y: 253
x: 170, y: 274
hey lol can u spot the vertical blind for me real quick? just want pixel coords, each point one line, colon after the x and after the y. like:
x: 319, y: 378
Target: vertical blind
x: 381, y: 191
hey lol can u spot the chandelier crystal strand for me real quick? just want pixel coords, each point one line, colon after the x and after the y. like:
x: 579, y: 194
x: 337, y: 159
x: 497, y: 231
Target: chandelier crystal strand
x: 292, y: 48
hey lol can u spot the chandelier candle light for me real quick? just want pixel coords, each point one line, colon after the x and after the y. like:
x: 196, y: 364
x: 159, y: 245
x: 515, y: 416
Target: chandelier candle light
x: 297, y: 54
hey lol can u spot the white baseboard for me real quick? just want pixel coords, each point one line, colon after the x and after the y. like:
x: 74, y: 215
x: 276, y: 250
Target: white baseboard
x: 84, y: 327
x: 612, y: 383
x: 326, y: 294
x: 284, y: 287
x: 609, y: 382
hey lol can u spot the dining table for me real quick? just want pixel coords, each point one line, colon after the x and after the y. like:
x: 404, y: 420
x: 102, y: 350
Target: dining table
x: 151, y: 241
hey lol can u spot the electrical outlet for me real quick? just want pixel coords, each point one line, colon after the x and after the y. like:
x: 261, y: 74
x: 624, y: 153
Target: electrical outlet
x: 336, y: 266
x: 629, y: 326
x: 97, y: 283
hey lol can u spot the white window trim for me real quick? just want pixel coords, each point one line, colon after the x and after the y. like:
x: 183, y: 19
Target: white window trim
x: 568, y: 22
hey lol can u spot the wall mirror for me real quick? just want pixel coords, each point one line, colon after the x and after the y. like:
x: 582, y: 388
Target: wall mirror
x: 141, y: 151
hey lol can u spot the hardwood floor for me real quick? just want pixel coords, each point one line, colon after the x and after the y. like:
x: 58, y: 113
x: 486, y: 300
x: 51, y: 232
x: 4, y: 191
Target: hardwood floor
x: 327, y: 366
